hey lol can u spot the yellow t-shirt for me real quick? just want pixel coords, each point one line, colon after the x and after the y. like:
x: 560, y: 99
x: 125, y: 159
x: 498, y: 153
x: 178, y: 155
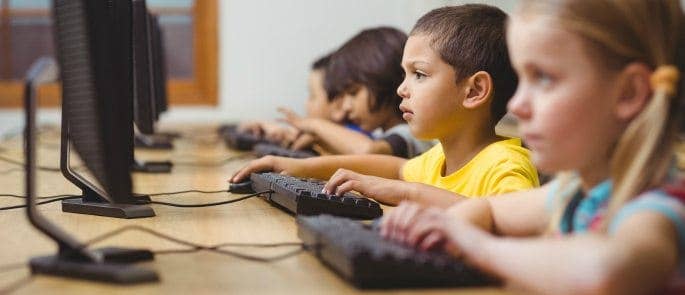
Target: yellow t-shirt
x: 501, y: 167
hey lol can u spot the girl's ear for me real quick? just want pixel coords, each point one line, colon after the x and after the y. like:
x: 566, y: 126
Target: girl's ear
x: 636, y: 91
x: 479, y: 87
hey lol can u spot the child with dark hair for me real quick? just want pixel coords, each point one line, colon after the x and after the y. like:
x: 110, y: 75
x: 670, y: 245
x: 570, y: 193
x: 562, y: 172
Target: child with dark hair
x: 457, y: 82
x: 364, y: 73
x: 319, y: 105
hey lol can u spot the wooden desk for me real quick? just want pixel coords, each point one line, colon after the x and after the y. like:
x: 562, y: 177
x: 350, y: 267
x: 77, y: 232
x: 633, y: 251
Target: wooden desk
x: 252, y: 220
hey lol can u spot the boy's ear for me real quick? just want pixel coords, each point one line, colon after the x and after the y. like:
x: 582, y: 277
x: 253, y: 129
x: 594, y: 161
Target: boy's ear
x: 635, y: 91
x: 478, y: 87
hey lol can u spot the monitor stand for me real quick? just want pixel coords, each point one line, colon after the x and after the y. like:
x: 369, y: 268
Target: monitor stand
x: 95, y: 200
x: 73, y: 259
x: 153, y: 141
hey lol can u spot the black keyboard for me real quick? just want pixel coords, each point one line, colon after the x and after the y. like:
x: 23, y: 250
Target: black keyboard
x: 263, y: 149
x: 304, y: 197
x: 235, y: 139
x: 361, y: 256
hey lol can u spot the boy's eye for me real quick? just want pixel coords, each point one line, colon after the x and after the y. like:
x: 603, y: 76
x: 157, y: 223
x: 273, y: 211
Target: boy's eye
x: 419, y: 75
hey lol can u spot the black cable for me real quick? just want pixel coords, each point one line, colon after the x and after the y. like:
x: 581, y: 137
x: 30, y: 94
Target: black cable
x: 40, y: 203
x: 18, y: 163
x: 12, y: 267
x: 8, y: 171
x: 193, y: 246
x: 57, y: 198
x: 186, y: 191
x: 18, y: 284
x: 38, y: 198
x: 206, y: 204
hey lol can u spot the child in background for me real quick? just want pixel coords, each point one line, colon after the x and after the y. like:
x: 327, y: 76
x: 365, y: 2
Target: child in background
x: 599, y: 103
x: 458, y: 80
x: 364, y: 72
x: 319, y: 105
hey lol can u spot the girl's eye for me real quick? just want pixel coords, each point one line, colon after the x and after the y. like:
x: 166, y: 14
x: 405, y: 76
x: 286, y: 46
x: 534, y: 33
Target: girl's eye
x: 419, y: 75
x: 542, y: 79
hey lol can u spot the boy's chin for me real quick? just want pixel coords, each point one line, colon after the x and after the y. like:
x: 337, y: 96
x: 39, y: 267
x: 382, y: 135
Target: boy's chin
x: 420, y: 134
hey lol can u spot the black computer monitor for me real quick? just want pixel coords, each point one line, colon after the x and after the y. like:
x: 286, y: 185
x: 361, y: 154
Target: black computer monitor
x: 158, y: 66
x: 91, y: 69
x: 97, y: 105
x: 143, y: 75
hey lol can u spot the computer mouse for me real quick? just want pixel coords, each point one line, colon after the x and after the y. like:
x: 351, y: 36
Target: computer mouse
x: 244, y: 187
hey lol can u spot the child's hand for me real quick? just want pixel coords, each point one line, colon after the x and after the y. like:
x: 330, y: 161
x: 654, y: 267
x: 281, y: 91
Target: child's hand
x: 295, y: 120
x: 397, y: 225
x: 303, y: 141
x: 268, y: 163
x: 387, y: 191
x: 252, y: 127
x: 431, y: 228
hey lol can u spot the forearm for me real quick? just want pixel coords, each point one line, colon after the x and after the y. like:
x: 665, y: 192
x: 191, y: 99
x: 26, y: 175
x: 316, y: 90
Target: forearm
x: 377, y: 165
x: 587, y: 264
x: 339, y: 139
x: 432, y: 196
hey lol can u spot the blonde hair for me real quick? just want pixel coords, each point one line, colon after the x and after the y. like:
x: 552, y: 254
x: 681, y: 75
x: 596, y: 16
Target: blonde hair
x: 619, y: 32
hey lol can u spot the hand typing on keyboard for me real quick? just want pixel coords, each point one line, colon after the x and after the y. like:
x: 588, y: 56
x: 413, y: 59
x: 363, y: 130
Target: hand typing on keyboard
x: 430, y: 228
x: 387, y: 191
x: 269, y: 163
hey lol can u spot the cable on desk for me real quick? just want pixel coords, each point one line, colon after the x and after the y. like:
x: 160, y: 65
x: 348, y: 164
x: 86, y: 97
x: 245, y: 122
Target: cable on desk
x: 8, y: 171
x: 12, y: 267
x: 57, y: 198
x: 224, y: 245
x: 18, y: 284
x: 40, y: 203
x: 206, y: 204
x: 186, y: 191
x: 196, y: 247
x: 19, y: 163
x: 39, y: 198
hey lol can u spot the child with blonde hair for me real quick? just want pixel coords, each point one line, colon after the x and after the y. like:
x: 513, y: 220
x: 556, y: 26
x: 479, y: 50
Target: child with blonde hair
x: 599, y: 102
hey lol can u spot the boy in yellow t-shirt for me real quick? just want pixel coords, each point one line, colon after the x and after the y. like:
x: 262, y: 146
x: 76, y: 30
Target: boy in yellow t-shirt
x: 501, y: 167
x: 458, y: 80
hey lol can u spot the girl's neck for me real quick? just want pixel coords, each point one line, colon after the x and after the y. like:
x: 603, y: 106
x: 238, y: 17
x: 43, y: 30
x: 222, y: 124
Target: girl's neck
x: 594, y: 173
x: 460, y: 148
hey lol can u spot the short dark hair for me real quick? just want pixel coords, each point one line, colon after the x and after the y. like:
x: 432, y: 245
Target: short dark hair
x: 322, y: 62
x: 472, y: 38
x: 372, y: 58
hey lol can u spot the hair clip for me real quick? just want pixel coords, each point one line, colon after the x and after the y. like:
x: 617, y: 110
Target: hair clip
x: 665, y: 78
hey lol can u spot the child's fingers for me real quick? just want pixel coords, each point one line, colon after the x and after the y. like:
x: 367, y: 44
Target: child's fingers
x: 433, y: 240
x: 347, y: 186
x: 405, y: 220
x: 396, y: 232
x: 419, y: 232
x: 288, y: 113
x: 263, y: 164
x: 388, y: 221
x: 338, y: 178
x: 302, y: 142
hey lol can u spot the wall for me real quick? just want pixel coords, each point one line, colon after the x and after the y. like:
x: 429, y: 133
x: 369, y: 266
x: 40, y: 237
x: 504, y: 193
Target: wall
x: 267, y: 46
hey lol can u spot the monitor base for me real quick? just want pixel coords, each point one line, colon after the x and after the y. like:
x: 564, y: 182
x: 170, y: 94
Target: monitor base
x: 153, y: 142
x: 114, y: 268
x: 107, y: 209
